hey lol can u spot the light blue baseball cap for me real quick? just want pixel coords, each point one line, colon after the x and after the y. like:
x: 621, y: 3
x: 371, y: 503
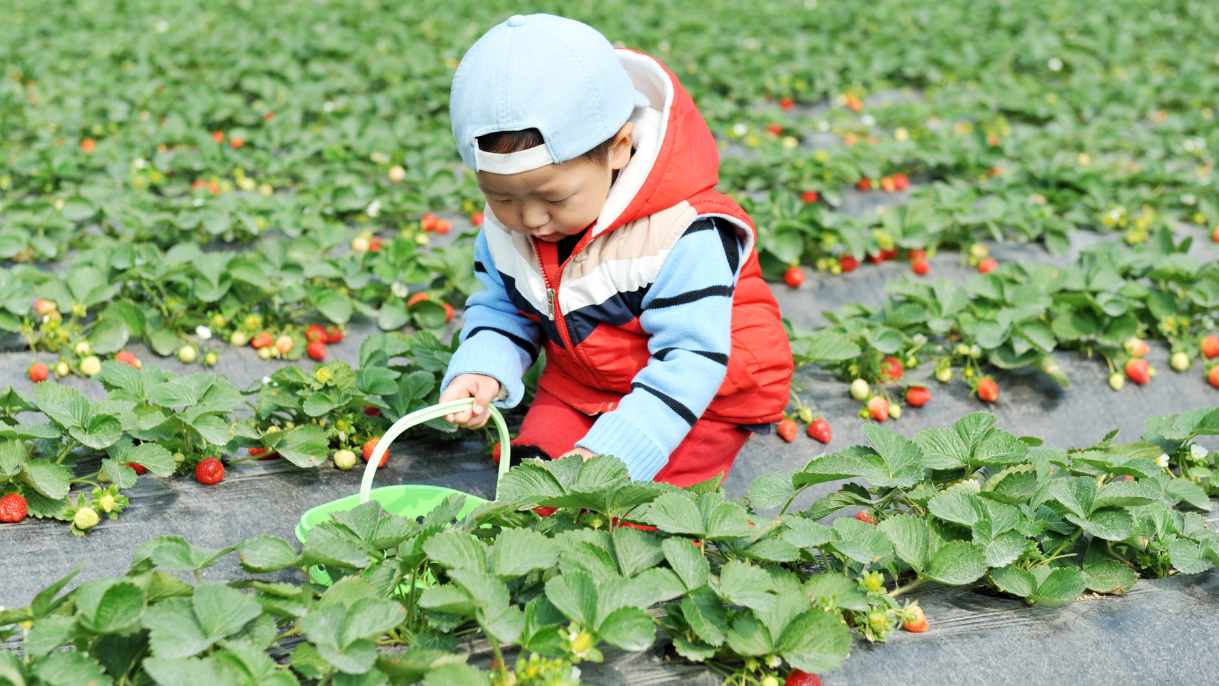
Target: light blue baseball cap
x: 541, y: 71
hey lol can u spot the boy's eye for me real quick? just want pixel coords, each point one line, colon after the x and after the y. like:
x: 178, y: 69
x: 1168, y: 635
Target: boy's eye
x: 559, y: 201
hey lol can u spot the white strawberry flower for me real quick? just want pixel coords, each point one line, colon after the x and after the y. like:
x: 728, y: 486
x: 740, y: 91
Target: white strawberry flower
x: 399, y: 289
x: 1197, y: 452
x: 867, y: 120
x: 1188, y: 199
x: 374, y: 208
x: 203, y: 332
x: 823, y: 126
x: 1162, y: 461
x: 1054, y: 64
x: 740, y: 129
x: 266, y: 380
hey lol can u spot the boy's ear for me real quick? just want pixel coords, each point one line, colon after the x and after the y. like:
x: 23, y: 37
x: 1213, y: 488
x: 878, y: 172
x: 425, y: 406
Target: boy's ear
x: 620, y: 149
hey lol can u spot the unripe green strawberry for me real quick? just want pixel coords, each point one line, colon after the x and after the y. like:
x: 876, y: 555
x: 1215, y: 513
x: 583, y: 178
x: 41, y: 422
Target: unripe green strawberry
x: 805, y: 414
x: 106, y: 502
x: 211, y: 358
x: 943, y: 374
x: 91, y: 366
x: 895, y: 411
x: 82, y: 348
x: 85, y: 518
x: 1179, y: 361
x: 187, y: 354
x: 860, y: 390
x: 1116, y: 381
x: 239, y: 338
x: 344, y: 459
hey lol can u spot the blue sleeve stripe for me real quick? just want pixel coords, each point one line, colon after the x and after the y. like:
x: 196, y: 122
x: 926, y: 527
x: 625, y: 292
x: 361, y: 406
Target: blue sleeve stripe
x: 678, y: 409
x: 690, y: 296
x: 523, y: 343
x: 710, y: 355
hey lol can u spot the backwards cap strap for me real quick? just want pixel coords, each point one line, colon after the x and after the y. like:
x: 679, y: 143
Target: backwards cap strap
x: 512, y: 162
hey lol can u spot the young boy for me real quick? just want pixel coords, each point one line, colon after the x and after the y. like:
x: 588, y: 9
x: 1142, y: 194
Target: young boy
x: 606, y: 244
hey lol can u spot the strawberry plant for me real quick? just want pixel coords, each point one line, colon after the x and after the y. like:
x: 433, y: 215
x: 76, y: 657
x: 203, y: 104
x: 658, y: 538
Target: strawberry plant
x: 753, y: 596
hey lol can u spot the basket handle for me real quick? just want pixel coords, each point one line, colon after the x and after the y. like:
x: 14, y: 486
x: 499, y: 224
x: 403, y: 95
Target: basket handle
x: 427, y: 414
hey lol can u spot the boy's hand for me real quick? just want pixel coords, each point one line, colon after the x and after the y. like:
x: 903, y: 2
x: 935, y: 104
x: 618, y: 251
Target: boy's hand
x: 579, y: 451
x: 482, y: 388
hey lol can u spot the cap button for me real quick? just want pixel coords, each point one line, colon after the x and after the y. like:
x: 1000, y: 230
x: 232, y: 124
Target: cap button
x: 516, y: 20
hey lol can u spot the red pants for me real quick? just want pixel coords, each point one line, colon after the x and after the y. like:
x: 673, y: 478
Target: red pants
x: 553, y: 427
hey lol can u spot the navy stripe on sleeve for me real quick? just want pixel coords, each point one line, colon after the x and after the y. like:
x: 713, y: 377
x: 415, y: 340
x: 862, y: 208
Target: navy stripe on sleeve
x: 524, y: 344
x: 681, y: 410
x: 690, y: 296
x: 713, y: 356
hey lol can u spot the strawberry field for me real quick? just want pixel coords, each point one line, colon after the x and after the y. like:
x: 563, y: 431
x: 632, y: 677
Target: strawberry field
x: 236, y: 241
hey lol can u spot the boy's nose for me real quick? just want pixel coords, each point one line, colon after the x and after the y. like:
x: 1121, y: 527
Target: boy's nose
x: 534, y: 219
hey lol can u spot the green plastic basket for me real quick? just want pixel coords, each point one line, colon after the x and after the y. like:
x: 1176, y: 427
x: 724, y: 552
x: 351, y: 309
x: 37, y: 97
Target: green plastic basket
x: 404, y: 500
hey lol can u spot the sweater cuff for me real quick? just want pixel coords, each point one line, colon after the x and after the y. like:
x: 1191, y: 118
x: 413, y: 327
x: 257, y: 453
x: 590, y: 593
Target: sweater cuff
x: 499, y: 359
x: 613, y: 435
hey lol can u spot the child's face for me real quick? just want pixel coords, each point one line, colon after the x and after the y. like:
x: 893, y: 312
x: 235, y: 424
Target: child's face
x: 558, y: 200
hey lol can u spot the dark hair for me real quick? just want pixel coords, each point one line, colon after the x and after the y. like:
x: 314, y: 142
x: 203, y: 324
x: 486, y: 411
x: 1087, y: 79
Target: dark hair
x: 504, y: 142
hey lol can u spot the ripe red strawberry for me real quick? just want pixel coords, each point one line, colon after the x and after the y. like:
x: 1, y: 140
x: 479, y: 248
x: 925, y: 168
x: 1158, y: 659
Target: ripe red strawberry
x: 1215, y: 234
x: 890, y: 254
x: 428, y: 222
x: 793, y: 277
x: 416, y: 299
x: 988, y: 390
x: 448, y: 313
x: 316, y: 350
x: 333, y: 334
x: 875, y: 258
x: 374, y: 244
x: 865, y: 517
x: 917, y: 396
x: 774, y: 129
x: 887, y: 184
x: 799, y: 678
x: 1138, y: 371
x: 878, y: 408
x: 848, y: 263
x: 787, y: 429
x: 88, y: 145
x: 218, y: 136
x: 810, y: 197
x: 13, y: 508
x: 371, y: 411
x: 892, y: 368
x: 544, y: 510
x: 495, y: 454
x: 900, y: 181
x: 263, y: 339
x: 128, y: 359
x: 315, y: 332
x: 915, y: 254
x: 820, y: 430
x: 368, y: 448
x: 209, y: 471
x: 236, y: 142
x: 38, y: 372
x: 987, y: 265
x: 139, y: 468
x: 476, y: 218
x: 1210, y: 347
x: 864, y: 184
x: 916, y: 621
x: 786, y: 104
x: 1212, y: 376
x: 920, y: 267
